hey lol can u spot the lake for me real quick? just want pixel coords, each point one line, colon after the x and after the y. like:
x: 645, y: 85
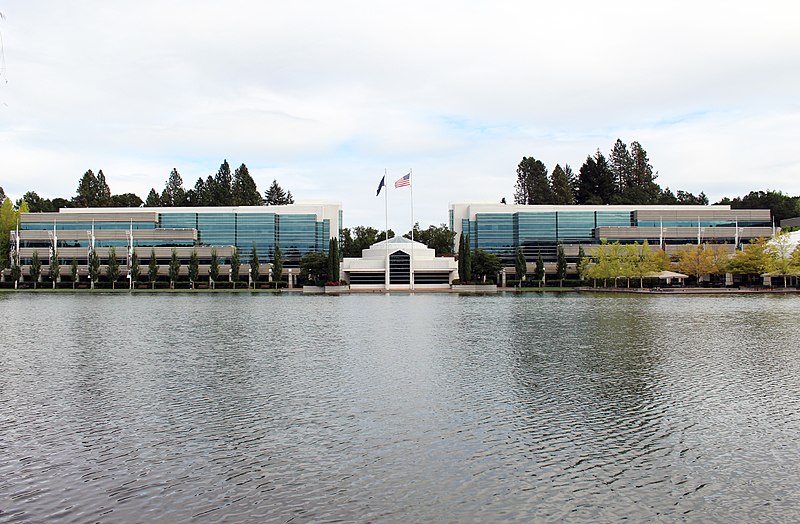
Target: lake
x: 399, y: 408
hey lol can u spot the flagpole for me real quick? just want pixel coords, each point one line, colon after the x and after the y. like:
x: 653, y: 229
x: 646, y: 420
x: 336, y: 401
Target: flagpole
x: 386, y: 231
x: 411, y: 186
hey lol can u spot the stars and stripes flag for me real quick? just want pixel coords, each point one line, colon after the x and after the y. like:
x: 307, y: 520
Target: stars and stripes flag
x: 404, y: 181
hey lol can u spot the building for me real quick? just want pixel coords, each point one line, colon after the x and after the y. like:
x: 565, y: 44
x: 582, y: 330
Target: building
x: 429, y: 271
x: 539, y: 229
x: 297, y: 228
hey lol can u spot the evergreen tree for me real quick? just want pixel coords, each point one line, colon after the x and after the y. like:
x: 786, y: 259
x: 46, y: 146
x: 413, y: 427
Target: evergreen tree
x: 125, y: 200
x: 73, y: 269
x: 152, y: 269
x: 254, y: 265
x: 153, y: 198
x: 277, y: 264
x: 520, y: 265
x: 467, y: 261
x: 533, y: 186
x: 245, y: 192
x: 561, y: 265
x: 112, y: 269
x: 276, y: 196
x: 86, y: 194
x: 461, y: 257
x: 2, y: 194
x: 194, y: 268
x: 174, y: 195
x: 36, y: 268
x: 93, y: 268
x: 621, y: 165
x: 539, y: 271
x: 55, y: 269
x: 174, y: 268
x: 561, y: 186
x: 595, y: 181
x: 235, y: 267
x: 221, y: 193
x: 333, y: 260
x: 102, y: 191
x: 199, y: 195
x: 213, y: 269
x: 134, y: 268
x: 642, y: 174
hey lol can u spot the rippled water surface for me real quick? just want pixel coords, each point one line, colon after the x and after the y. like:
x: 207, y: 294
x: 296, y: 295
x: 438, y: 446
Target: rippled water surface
x: 264, y: 408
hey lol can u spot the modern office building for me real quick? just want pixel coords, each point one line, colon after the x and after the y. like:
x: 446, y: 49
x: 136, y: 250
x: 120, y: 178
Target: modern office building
x: 429, y: 271
x: 297, y: 228
x: 501, y: 228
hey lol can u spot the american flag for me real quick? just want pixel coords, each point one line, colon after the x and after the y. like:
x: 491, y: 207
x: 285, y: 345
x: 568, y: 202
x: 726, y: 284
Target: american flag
x: 402, y: 182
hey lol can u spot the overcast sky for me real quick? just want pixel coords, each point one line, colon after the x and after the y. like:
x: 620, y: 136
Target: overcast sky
x: 323, y: 96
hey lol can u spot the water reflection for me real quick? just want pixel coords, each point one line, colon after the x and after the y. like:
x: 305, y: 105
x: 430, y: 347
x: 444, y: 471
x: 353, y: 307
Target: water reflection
x: 398, y: 408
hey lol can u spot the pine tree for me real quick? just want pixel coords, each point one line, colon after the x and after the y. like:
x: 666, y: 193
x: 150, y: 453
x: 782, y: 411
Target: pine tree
x: 520, y: 265
x: 254, y: 265
x: 245, y: 192
x: 235, y: 267
x: 86, y: 194
x: 276, y: 196
x: 134, y: 268
x: 621, y: 165
x: 36, y: 268
x: 643, y: 175
x: 533, y: 185
x: 102, y: 191
x: 174, y: 195
x: 539, y: 271
x: 213, y: 269
x: 561, y: 265
x: 561, y: 186
x: 174, y: 268
x: 112, y: 269
x: 200, y: 194
x: 153, y: 199
x: 277, y: 264
x: 194, y: 268
x: 152, y: 270
x: 221, y: 194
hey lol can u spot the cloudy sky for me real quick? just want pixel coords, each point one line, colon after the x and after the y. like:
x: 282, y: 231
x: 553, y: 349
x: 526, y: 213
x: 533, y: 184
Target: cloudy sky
x: 324, y: 96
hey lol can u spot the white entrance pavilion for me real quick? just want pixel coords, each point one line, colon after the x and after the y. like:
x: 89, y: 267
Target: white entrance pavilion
x: 369, y: 271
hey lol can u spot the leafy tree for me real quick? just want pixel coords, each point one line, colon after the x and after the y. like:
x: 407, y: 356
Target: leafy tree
x: 781, y: 249
x: 561, y: 265
x: 254, y: 265
x: 275, y: 195
x: 235, y: 265
x: 314, y: 267
x: 125, y: 200
x: 439, y: 238
x: 277, y: 264
x: 174, y: 195
x: 520, y: 265
x: 36, y: 204
x: 561, y: 186
x: 16, y: 273
x: 8, y: 222
x: 55, y: 269
x: 582, y: 261
x: 152, y: 269
x: 174, y: 268
x: 194, y: 268
x: 213, y: 269
x: 533, y: 185
x: 539, y: 270
x: 93, y: 268
x: 245, y: 192
x: 696, y: 261
x: 333, y: 260
x: 36, y: 268
x: 485, y: 264
x: 360, y: 238
x: 754, y: 259
x: 73, y: 269
x: 153, y: 199
x: 134, y: 268
x: 112, y: 270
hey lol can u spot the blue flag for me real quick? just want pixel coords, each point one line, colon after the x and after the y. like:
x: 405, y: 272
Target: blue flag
x: 380, y: 186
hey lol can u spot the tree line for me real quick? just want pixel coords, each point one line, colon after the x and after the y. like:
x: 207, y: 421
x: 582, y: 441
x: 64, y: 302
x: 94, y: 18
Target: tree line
x: 625, y: 177
x: 225, y: 188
